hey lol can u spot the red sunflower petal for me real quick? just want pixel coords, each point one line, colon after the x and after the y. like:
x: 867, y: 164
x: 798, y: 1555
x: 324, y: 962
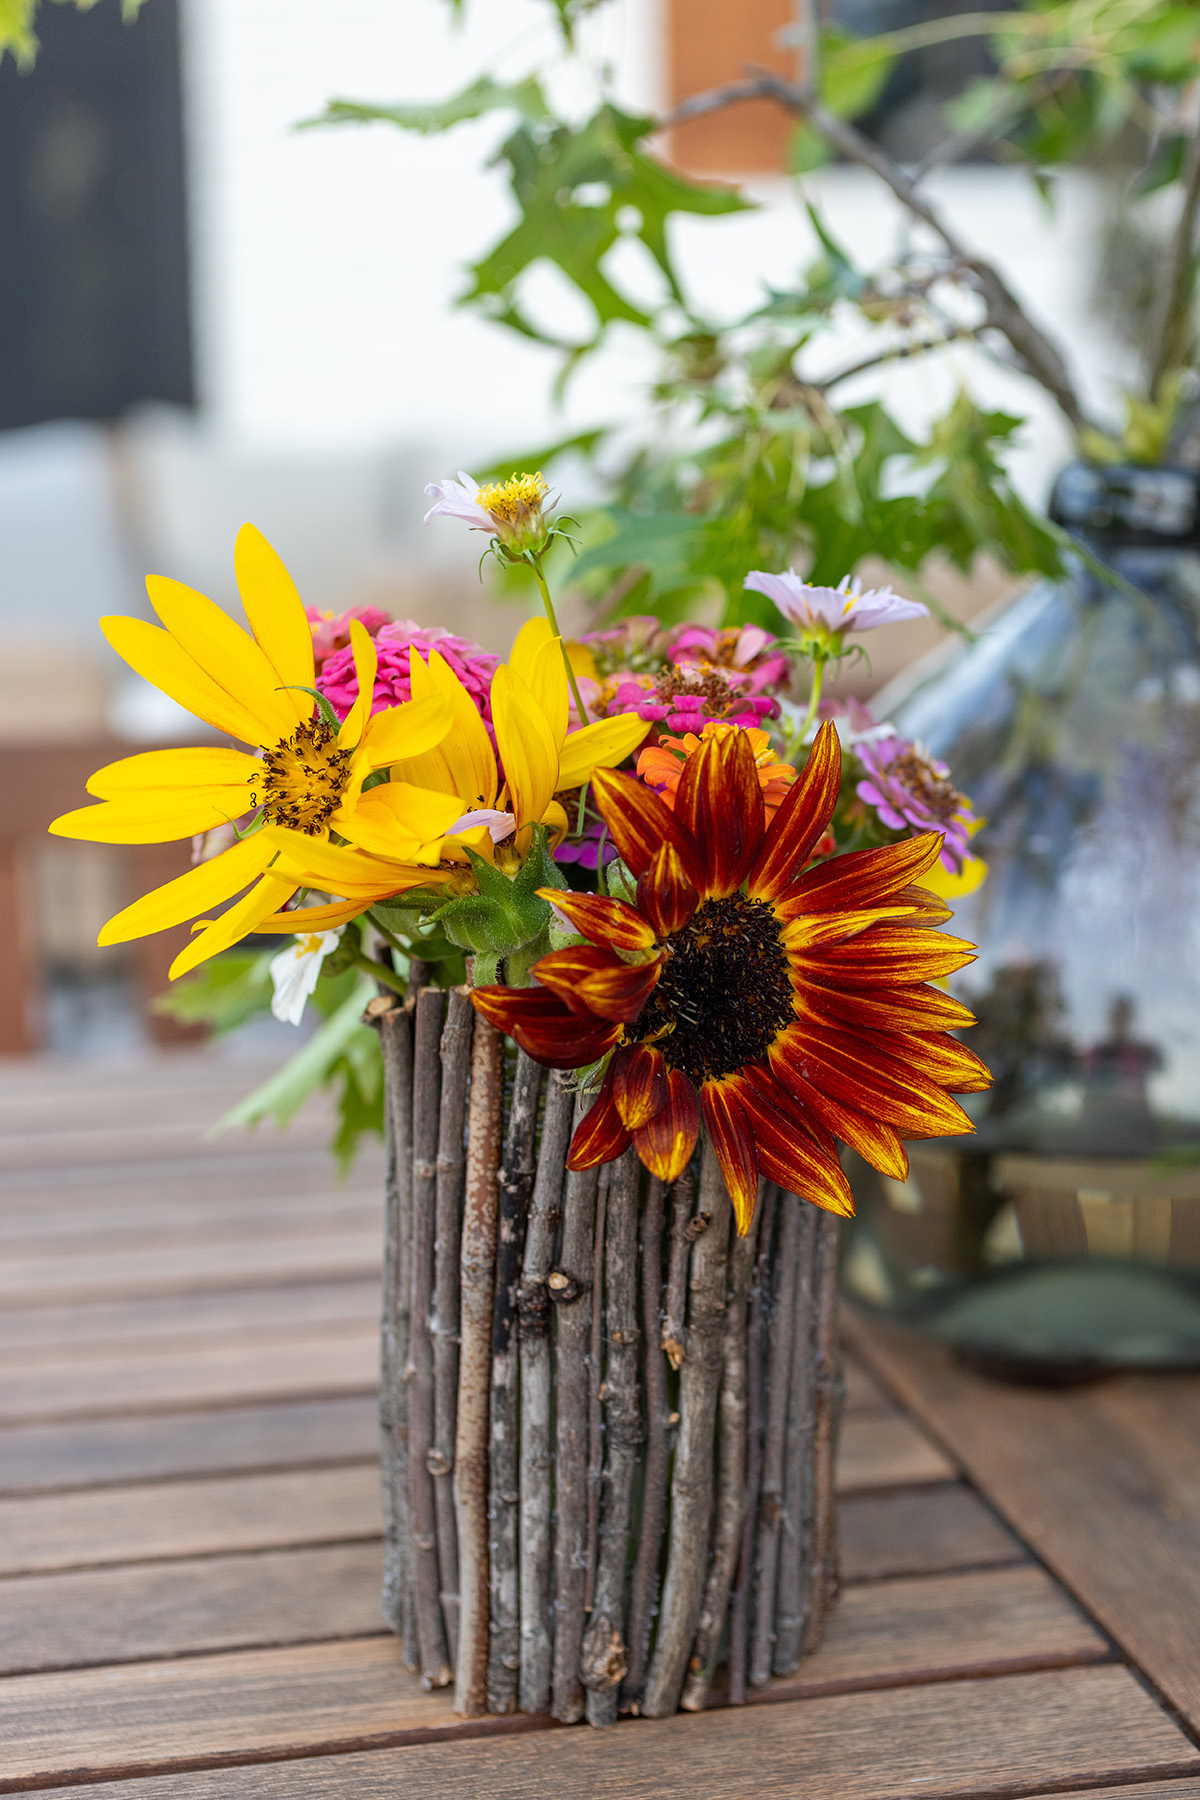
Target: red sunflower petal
x: 562, y: 971
x: 719, y: 799
x: 797, y: 827
x: 899, y: 1094
x: 938, y: 1056
x: 639, y: 824
x: 931, y: 907
x: 888, y: 955
x: 639, y: 1078
x: 603, y: 921
x: 791, y: 1157
x: 862, y: 878
x: 729, y: 1131
x: 666, y: 1142
x: 544, y: 1027
x: 600, y: 1136
x: 917, y: 1008
x: 800, y: 934
x: 665, y: 894
x: 594, y: 983
x: 876, y: 1142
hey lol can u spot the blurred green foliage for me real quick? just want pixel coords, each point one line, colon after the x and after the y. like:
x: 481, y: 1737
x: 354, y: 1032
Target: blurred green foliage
x: 18, y: 18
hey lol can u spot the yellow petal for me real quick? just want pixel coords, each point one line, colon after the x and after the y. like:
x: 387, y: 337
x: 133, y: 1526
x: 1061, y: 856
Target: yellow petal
x: 202, y: 766
x: 556, y: 822
x: 154, y: 818
x: 156, y: 656
x: 464, y: 762
x: 226, y: 653
x: 601, y: 745
x: 527, y: 747
x: 532, y: 638
x: 949, y: 886
x: 312, y: 918
x: 365, y: 664
x: 547, y: 682
x: 396, y: 819
x: 192, y: 893
x: 334, y: 868
x: 266, y: 896
x: 277, y: 617
x: 581, y: 660
x: 406, y: 731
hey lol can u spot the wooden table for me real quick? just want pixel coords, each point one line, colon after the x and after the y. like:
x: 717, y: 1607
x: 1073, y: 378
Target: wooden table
x: 189, y: 1520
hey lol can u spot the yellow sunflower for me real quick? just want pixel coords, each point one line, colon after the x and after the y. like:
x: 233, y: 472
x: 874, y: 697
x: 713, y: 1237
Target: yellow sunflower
x: 308, y: 773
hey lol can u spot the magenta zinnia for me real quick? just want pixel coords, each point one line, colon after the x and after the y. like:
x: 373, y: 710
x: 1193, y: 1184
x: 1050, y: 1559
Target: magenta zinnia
x: 780, y: 1008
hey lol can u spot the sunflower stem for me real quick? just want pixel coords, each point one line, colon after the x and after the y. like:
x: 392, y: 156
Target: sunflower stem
x: 644, y: 1585
x: 731, y: 1478
x: 691, y: 1481
x: 739, y: 1611
x: 436, y: 1670
x: 399, y: 1605
x: 605, y: 1653
x: 791, y: 1604
x: 770, y: 1505
x: 825, y: 1571
x: 535, y: 563
x: 675, y: 1297
x: 484, y: 1126
x: 795, y: 743
x: 381, y: 973
x: 537, y: 1463
x: 515, y: 1187
x: 451, y: 1169
x: 572, y: 1322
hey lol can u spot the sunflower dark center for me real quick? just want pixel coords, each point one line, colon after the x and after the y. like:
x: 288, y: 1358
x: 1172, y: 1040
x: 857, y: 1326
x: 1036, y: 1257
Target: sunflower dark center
x: 724, y: 993
x: 303, y: 778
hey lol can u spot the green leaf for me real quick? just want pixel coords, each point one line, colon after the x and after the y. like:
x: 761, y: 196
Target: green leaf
x: 853, y: 72
x: 282, y: 1095
x: 666, y: 545
x: 223, y: 992
x: 473, y: 102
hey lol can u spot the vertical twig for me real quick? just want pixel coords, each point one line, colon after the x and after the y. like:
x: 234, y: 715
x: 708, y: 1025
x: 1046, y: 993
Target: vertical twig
x: 691, y: 1481
x: 644, y: 1585
x: 451, y: 1167
x: 770, y: 1506
x: 595, y: 1468
x: 823, y: 1583
x: 739, y: 1611
x: 605, y: 1655
x: 791, y: 1601
x: 731, y: 1476
x: 537, y: 1463
x: 675, y: 1296
x: 484, y: 1126
x: 427, y: 1081
x: 1171, y: 312
x: 515, y: 1185
x: 394, y: 1023
x: 572, y: 1329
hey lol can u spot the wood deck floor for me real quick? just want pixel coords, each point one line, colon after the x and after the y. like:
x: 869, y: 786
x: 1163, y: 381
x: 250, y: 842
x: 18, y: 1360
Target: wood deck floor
x: 189, y: 1519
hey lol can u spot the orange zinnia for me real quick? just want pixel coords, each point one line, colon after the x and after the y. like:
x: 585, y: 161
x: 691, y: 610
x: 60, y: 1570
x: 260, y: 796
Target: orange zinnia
x: 783, y: 1009
x: 662, y: 764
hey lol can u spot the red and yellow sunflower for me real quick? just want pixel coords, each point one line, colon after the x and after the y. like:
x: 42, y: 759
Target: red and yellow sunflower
x: 784, y: 1008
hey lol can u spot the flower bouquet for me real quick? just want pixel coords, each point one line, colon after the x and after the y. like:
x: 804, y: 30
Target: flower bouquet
x: 637, y: 943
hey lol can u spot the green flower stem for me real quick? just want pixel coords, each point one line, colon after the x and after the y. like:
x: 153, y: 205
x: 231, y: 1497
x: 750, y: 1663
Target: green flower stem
x: 376, y: 970
x: 535, y: 563
x: 796, y: 741
x: 389, y: 936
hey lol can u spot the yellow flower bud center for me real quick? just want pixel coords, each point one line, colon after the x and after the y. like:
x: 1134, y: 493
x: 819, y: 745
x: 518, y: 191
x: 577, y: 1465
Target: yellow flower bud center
x: 302, y: 779
x: 513, y: 500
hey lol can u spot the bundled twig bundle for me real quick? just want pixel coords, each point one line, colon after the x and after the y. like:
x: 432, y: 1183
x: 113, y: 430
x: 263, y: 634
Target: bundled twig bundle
x: 608, y: 1421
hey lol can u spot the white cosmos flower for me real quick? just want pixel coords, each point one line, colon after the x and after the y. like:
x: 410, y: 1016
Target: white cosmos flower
x: 500, y: 824
x: 847, y: 607
x: 295, y: 971
x: 458, y: 500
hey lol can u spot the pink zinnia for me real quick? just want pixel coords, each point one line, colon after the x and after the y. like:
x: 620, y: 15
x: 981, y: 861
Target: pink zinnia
x: 473, y: 666
x: 331, y: 631
x: 747, y: 648
x: 911, y: 791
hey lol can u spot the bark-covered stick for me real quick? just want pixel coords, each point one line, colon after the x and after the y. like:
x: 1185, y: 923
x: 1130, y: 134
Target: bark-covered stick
x: 394, y: 1024
x: 595, y: 1375
x: 605, y: 1656
x: 675, y: 1295
x: 791, y: 1599
x: 756, y: 1334
x: 451, y: 1167
x: 484, y: 1126
x: 731, y: 1471
x: 537, y: 1461
x: 569, y: 1286
x: 644, y: 1585
x: 823, y: 1580
x: 436, y: 1668
x: 691, y: 1480
x: 770, y: 1503
x: 515, y: 1186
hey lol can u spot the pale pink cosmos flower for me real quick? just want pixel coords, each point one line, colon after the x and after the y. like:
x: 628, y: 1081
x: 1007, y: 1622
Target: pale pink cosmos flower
x: 832, y: 611
x: 513, y: 510
x: 458, y: 500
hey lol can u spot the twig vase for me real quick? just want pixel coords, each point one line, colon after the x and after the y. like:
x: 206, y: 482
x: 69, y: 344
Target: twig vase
x: 608, y: 1422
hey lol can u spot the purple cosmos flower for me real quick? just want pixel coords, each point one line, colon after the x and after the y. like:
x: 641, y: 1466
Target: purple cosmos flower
x: 832, y: 611
x: 911, y: 791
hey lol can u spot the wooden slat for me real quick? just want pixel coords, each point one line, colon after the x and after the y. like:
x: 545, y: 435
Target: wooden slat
x: 188, y: 1518
x: 921, y: 1531
x: 188, y: 1268
x: 1010, y: 1736
x: 178, y: 1608
x: 38, y: 1457
x: 309, y: 1363
x: 880, y: 1452
x: 863, y: 1393
x: 164, y: 1221
x: 74, y: 1191
x: 152, y: 1139
x: 1104, y: 1483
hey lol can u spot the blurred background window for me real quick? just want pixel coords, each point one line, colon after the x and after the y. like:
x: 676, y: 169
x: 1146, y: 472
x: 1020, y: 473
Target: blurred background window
x: 94, y: 312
